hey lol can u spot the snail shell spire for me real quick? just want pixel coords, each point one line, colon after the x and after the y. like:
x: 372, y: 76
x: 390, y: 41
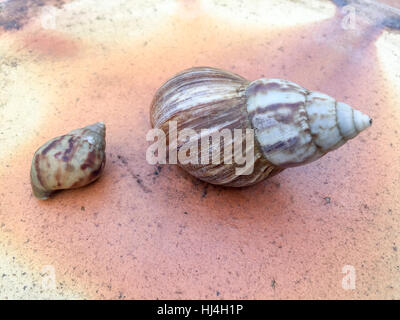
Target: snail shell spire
x: 295, y: 126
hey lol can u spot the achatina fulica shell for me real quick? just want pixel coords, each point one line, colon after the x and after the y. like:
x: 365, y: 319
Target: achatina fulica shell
x: 292, y: 126
x: 69, y: 161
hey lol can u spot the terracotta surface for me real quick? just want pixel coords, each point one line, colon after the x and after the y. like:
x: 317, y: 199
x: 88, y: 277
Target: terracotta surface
x: 145, y: 231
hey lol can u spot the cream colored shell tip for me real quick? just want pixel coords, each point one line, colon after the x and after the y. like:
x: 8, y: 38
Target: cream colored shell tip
x: 69, y: 161
x: 292, y: 125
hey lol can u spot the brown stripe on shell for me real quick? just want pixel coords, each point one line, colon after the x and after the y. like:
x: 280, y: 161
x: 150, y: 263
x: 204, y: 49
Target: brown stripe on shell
x: 37, y: 170
x: 90, y: 160
x: 69, y: 167
x: 354, y: 123
x: 312, y: 141
x: 70, y: 151
x: 261, y: 121
x: 266, y: 117
x: 96, y: 173
x: 281, y: 145
x: 191, y: 82
x: 58, y: 177
x: 264, y: 88
x: 276, y: 106
x: 314, y: 136
x: 337, y: 123
x: 52, y: 145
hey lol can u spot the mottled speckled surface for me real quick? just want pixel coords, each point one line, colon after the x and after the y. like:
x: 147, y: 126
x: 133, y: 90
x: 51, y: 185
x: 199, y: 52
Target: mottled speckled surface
x: 144, y: 231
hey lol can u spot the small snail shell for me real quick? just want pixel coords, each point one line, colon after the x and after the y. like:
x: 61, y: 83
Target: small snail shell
x: 69, y: 161
x: 292, y: 125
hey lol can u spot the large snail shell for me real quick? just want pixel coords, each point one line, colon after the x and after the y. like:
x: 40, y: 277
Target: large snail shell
x: 292, y: 125
x: 69, y: 161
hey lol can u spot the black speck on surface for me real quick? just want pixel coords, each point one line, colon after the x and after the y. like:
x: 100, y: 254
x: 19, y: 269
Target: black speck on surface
x: 122, y: 159
x: 157, y: 170
x: 135, y: 176
x: 140, y: 182
x: 205, y: 191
